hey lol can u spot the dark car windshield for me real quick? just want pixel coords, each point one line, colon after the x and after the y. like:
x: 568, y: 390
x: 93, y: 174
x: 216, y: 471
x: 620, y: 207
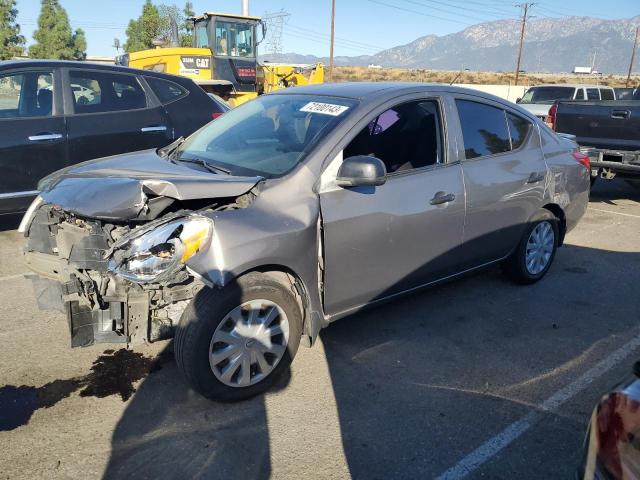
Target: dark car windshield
x: 547, y: 94
x: 267, y: 136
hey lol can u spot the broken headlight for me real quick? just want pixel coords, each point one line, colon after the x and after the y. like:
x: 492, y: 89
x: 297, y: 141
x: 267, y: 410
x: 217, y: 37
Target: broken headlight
x: 148, y: 256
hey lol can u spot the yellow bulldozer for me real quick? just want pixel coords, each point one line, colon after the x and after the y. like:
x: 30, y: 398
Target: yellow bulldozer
x: 223, y: 60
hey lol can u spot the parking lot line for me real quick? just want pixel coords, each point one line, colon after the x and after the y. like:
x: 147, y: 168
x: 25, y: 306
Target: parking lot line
x: 615, y: 213
x: 495, y: 444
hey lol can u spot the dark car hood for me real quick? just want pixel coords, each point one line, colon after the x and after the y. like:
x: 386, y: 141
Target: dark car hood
x: 119, y: 187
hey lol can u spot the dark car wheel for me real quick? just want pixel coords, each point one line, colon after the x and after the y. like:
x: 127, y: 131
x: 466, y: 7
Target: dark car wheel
x: 234, y: 343
x: 533, y: 257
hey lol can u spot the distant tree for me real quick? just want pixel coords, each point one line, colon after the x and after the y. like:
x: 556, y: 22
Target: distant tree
x: 142, y: 31
x: 79, y: 45
x: 54, y: 38
x: 186, y: 38
x: 11, y: 42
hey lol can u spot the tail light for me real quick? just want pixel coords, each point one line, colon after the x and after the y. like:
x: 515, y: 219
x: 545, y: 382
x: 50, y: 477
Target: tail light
x: 215, y: 115
x: 582, y: 159
x: 551, y: 116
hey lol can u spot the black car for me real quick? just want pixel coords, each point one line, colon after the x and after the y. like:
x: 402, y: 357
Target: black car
x: 57, y: 113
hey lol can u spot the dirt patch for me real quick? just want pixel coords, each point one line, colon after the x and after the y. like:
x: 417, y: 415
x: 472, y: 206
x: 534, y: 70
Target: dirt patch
x: 112, y: 373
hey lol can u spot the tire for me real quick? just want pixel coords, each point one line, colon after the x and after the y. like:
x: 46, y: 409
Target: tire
x: 515, y: 267
x: 204, y: 316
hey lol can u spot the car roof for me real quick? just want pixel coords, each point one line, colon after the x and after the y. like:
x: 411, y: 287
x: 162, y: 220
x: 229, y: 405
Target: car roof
x: 365, y: 90
x: 570, y: 85
x: 6, y: 64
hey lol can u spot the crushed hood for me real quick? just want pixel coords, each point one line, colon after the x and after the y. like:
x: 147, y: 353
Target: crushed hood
x: 119, y: 187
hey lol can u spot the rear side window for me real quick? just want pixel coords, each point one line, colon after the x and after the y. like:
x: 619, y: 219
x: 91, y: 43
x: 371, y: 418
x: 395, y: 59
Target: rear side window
x: 484, y: 129
x: 606, y: 94
x: 105, y: 92
x: 28, y: 94
x: 165, y: 90
x: 593, y: 94
x: 518, y: 129
x: 580, y: 94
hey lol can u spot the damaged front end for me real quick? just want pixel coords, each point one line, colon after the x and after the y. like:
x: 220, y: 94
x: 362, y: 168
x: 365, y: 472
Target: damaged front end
x: 109, y: 241
x: 115, y: 284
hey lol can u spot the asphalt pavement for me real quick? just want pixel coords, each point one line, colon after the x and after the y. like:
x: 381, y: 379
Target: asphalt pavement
x: 478, y: 378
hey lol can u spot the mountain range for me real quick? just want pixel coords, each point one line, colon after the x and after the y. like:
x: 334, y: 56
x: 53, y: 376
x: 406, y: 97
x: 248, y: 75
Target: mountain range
x: 551, y: 45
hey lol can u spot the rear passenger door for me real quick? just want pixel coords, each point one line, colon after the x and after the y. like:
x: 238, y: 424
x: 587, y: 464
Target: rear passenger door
x: 32, y: 133
x: 504, y: 175
x: 112, y: 113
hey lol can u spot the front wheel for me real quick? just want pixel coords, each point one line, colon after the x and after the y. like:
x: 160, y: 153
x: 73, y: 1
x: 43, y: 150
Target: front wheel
x: 534, y: 254
x: 234, y: 343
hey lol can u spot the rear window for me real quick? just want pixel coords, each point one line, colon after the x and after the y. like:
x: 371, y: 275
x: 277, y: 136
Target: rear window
x: 606, y: 94
x: 165, y: 90
x: 547, y: 94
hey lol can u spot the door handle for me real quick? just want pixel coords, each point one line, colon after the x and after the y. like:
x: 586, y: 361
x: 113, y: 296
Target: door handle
x: 441, y: 197
x: 621, y: 114
x: 45, y: 136
x: 535, y: 177
x: 154, y: 128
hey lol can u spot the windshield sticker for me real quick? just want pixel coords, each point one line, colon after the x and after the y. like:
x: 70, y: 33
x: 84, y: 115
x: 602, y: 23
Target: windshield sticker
x: 324, y: 108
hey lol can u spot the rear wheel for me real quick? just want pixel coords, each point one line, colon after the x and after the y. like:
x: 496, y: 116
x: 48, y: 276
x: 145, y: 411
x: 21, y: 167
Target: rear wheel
x: 533, y: 257
x: 234, y: 343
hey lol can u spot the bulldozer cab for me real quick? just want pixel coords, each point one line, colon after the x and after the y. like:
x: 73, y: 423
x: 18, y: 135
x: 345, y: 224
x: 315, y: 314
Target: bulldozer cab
x: 232, y: 41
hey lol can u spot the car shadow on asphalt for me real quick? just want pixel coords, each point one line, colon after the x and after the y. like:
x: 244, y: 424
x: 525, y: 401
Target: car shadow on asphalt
x: 400, y: 374
x: 610, y: 191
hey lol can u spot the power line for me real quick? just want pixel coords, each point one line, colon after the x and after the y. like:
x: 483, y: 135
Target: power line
x: 419, y: 13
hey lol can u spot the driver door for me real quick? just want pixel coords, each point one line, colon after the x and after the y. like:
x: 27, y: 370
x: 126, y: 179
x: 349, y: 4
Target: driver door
x: 380, y: 241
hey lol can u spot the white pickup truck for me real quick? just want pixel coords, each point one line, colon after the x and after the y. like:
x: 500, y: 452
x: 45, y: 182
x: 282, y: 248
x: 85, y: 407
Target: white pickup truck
x: 538, y: 99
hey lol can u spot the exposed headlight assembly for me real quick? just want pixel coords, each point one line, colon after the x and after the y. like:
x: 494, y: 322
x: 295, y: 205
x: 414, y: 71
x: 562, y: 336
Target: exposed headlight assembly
x: 153, y: 254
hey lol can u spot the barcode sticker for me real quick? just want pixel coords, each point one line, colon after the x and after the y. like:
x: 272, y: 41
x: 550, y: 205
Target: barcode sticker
x: 324, y: 108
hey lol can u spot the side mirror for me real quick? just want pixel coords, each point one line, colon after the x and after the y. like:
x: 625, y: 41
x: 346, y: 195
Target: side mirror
x: 518, y: 99
x: 361, y: 170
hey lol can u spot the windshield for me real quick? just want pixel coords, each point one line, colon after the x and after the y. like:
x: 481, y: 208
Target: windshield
x: 234, y: 39
x: 267, y: 136
x: 547, y: 94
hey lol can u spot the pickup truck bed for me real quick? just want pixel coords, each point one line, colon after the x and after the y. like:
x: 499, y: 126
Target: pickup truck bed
x: 608, y: 131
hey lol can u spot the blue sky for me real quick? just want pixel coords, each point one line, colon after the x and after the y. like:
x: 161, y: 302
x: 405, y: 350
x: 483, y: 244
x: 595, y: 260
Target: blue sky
x: 362, y: 26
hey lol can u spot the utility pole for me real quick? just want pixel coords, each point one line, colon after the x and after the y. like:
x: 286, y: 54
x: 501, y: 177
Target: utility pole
x: 525, y: 7
x: 633, y: 56
x: 333, y: 14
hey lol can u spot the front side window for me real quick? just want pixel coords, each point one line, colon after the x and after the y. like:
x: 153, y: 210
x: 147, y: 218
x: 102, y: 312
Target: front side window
x: 28, y: 94
x: 268, y: 136
x: 484, y: 129
x: 105, y: 92
x: 547, y: 94
x: 234, y: 39
x: 405, y: 137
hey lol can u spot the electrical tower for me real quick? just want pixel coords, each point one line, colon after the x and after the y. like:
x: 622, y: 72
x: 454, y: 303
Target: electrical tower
x: 274, y: 23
